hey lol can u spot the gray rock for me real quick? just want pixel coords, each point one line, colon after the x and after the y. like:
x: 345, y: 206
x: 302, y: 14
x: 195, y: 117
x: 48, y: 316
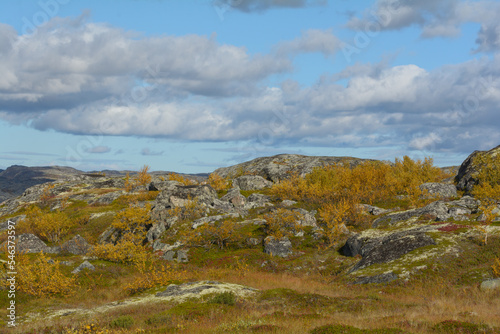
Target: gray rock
x: 308, y: 219
x: 251, y: 182
x: 490, y: 284
x: 156, y: 231
x: 169, y: 255
x: 377, y: 279
x: 385, y: 249
x: 441, y: 190
x: 5, y: 224
x: 274, y: 247
x: 182, y: 256
x: 439, y: 211
x: 85, y: 265
x: 77, y: 245
x: 30, y: 243
x: 466, y: 177
x: 279, y: 167
x: 234, y: 197
x: 374, y: 210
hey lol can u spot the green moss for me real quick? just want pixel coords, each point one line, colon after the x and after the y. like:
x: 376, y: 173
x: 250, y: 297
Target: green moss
x: 344, y: 329
x: 454, y: 326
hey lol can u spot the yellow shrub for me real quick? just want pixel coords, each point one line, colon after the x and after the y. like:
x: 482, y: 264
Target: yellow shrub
x: 335, y: 216
x: 49, y: 226
x: 131, y: 223
x: 153, y: 273
x: 125, y: 251
x: 218, y: 182
x: 496, y: 267
x: 141, y: 179
x: 283, y: 223
x: 220, y: 233
x: 40, y: 278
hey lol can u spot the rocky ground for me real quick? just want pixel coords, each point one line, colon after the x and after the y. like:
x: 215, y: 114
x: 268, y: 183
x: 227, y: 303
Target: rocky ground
x: 443, y: 238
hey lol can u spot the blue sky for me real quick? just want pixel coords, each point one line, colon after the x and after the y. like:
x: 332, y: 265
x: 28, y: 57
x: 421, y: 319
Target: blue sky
x: 190, y: 86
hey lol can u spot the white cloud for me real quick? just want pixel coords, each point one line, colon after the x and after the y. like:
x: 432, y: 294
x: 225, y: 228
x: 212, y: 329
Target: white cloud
x: 437, y: 18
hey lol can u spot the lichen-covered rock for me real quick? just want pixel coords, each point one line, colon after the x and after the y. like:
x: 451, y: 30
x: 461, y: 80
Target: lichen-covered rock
x: 275, y: 247
x: 251, y: 182
x: 386, y: 248
x: 466, y: 177
x: 198, y: 289
x: 440, y: 190
x: 439, y: 211
x: 491, y: 284
x: 280, y: 166
x: 234, y: 197
x: 374, y: 210
x: 77, y: 245
x: 30, y: 243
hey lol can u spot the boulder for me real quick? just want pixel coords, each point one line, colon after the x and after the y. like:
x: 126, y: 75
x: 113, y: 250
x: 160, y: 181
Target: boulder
x: 77, y: 245
x: 386, y: 248
x: 440, y: 190
x: 491, y: 284
x: 30, y: 243
x: 275, y: 247
x: 439, y: 211
x: 280, y: 166
x: 251, y: 182
x: 373, y: 210
x: 210, y: 219
x: 5, y: 224
x: 466, y: 177
x: 85, y: 265
x: 234, y: 197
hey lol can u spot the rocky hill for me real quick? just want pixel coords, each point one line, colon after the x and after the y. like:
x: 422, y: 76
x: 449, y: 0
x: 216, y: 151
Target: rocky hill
x: 278, y: 244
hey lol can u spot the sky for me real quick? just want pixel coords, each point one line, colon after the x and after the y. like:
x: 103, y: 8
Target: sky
x: 190, y: 86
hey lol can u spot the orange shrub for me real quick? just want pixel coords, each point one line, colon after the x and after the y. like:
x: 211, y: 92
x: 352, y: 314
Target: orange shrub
x: 49, y: 226
x: 218, y: 182
x: 283, y: 223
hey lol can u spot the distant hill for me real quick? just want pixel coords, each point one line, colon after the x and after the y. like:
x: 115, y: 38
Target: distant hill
x: 16, y: 179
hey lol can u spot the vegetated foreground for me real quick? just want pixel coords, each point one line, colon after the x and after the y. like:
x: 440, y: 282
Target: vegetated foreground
x: 283, y: 244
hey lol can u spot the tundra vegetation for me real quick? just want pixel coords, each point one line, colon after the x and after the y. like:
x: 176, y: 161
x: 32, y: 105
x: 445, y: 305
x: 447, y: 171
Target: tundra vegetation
x: 313, y: 289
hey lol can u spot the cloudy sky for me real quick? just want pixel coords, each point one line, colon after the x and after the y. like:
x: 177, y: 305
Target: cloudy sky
x: 194, y: 85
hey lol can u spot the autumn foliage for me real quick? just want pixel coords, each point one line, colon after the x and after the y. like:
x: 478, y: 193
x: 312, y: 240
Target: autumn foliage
x: 48, y: 226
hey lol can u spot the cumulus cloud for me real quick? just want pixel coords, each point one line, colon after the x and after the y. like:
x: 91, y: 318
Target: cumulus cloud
x: 95, y: 79
x: 437, y: 18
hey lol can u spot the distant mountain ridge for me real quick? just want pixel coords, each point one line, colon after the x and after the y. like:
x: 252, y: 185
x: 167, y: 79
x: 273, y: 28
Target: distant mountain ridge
x: 16, y: 179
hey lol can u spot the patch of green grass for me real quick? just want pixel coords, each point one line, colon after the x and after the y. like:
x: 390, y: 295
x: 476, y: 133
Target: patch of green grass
x: 225, y: 298
x: 192, y: 310
x: 455, y: 327
x: 124, y: 321
x: 345, y: 329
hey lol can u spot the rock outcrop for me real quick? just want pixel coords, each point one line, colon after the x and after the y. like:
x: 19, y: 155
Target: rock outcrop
x: 466, y: 177
x: 439, y: 211
x: 279, y: 167
x: 277, y: 247
x: 384, y: 249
